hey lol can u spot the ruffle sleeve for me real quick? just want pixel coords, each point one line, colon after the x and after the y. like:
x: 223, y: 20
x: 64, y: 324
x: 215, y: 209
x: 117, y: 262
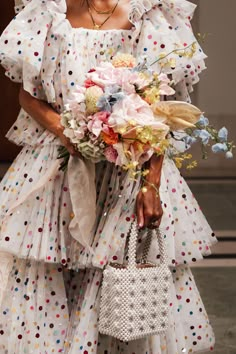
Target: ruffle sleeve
x: 166, y: 30
x: 22, y: 43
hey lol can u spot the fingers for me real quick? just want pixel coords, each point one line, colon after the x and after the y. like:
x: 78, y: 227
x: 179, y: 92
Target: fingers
x: 153, y: 213
x: 71, y: 150
x: 69, y: 146
x: 155, y: 220
x: 148, y: 210
x: 152, y: 220
x: 139, y: 210
x: 152, y: 209
x: 154, y: 224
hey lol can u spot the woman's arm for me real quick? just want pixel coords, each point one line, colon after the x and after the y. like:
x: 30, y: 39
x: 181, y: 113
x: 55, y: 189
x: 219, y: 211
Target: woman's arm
x: 148, y: 204
x: 45, y: 115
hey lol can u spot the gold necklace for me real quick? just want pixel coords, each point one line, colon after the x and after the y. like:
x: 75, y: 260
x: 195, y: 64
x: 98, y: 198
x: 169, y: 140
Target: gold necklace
x: 105, y: 12
x: 97, y: 26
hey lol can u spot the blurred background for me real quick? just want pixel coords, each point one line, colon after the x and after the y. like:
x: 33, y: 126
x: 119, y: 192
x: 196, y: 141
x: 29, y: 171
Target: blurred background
x: 213, y: 182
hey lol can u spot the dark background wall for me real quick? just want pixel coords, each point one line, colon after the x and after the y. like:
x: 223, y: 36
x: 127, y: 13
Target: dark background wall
x: 8, y: 93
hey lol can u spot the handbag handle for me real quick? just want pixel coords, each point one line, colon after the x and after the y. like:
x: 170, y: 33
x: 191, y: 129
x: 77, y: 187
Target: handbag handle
x: 132, y: 245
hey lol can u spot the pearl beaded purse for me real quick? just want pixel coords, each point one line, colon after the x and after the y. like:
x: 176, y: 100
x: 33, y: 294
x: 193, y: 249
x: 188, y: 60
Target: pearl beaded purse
x: 134, y: 298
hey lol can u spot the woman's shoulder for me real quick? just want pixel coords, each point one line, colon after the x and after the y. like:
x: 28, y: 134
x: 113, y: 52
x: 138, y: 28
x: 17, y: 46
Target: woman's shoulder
x: 59, y: 5
x: 166, y: 39
x: 180, y: 8
x: 22, y: 43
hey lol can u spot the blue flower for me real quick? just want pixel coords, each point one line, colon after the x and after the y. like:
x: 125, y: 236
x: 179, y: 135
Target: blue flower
x: 109, y: 90
x: 189, y: 140
x: 229, y: 155
x: 203, y: 121
x: 223, y: 134
x: 103, y: 104
x: 219, y: 147
x: 203, y: 135
x: 116, y: 97
x: 111, y: 96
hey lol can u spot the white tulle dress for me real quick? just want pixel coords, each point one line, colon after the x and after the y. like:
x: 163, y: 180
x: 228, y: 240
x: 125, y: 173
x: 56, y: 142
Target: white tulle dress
x: 51, y: 270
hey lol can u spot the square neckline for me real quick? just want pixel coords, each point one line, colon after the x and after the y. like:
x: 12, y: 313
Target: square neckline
x: 75, y: 29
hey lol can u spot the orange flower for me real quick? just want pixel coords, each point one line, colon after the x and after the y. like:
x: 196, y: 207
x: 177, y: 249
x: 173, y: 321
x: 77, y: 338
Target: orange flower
x: 110, y: 138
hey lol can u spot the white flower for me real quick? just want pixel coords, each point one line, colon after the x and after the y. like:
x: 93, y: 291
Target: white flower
x: 73, y: 124
x: 178, y: 115
x: 90, y: 151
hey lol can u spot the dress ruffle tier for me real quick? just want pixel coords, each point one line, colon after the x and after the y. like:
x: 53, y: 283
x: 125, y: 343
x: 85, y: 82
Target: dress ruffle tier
x: 38, y: 227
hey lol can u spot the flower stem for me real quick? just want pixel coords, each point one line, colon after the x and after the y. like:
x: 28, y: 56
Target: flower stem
x: 173, y: 51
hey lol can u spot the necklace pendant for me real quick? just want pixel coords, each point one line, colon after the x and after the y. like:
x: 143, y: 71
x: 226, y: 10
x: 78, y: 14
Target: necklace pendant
x: 104, y: 12
x: 96, y: 27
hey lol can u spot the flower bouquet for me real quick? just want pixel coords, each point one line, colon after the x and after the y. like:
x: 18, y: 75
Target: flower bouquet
x: 110, y: 117
x: 119, y: 115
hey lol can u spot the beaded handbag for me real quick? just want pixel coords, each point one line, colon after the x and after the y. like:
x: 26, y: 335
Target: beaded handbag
x: 134, y: 298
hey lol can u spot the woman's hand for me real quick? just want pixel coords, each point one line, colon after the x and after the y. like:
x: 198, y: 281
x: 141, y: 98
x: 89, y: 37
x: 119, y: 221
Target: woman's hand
x: 148, y: 207
x: 68, y: 145
x: 148, y: 204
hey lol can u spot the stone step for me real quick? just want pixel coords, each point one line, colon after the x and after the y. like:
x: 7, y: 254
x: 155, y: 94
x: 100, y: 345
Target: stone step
x: 215, y: 263
x: 225, y: 248
x: 225, y: 234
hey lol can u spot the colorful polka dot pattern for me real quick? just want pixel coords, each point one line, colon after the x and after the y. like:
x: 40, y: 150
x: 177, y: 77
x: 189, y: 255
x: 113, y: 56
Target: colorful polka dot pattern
x: 34, y: 312
x: 39, y: 316
x: 53, y: 292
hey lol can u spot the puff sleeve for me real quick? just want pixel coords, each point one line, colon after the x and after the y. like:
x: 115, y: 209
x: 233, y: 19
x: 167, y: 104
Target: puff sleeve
x: 22, y: 43
x: 166, y: 29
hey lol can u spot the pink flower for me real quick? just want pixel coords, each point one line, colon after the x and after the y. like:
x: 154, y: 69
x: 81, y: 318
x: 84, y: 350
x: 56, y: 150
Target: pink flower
x: 95, y: 127
x: 102, y: 116
x: 130, y: 153
x: 80, y: 132
x: 74, y: 102
x: 126, y: 80
x: 164, y: 87
x: 89, y: 83
x: 103, y: 75
x: 98, y: 122
x: 142, y: 81
x: 111, y: 154
x: 107, y: 75
x: 120, y: 149
x: 132, y: 111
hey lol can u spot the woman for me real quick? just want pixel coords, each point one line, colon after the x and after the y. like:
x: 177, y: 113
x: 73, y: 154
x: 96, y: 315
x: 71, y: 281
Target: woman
x: 51, y: 255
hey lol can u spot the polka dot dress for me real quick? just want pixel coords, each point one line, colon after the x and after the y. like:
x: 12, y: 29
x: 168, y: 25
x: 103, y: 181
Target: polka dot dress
x: 51, y: 284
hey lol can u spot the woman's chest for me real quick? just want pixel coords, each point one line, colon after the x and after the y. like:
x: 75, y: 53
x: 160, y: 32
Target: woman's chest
x: 109, y: 14
x: 82, y: 51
